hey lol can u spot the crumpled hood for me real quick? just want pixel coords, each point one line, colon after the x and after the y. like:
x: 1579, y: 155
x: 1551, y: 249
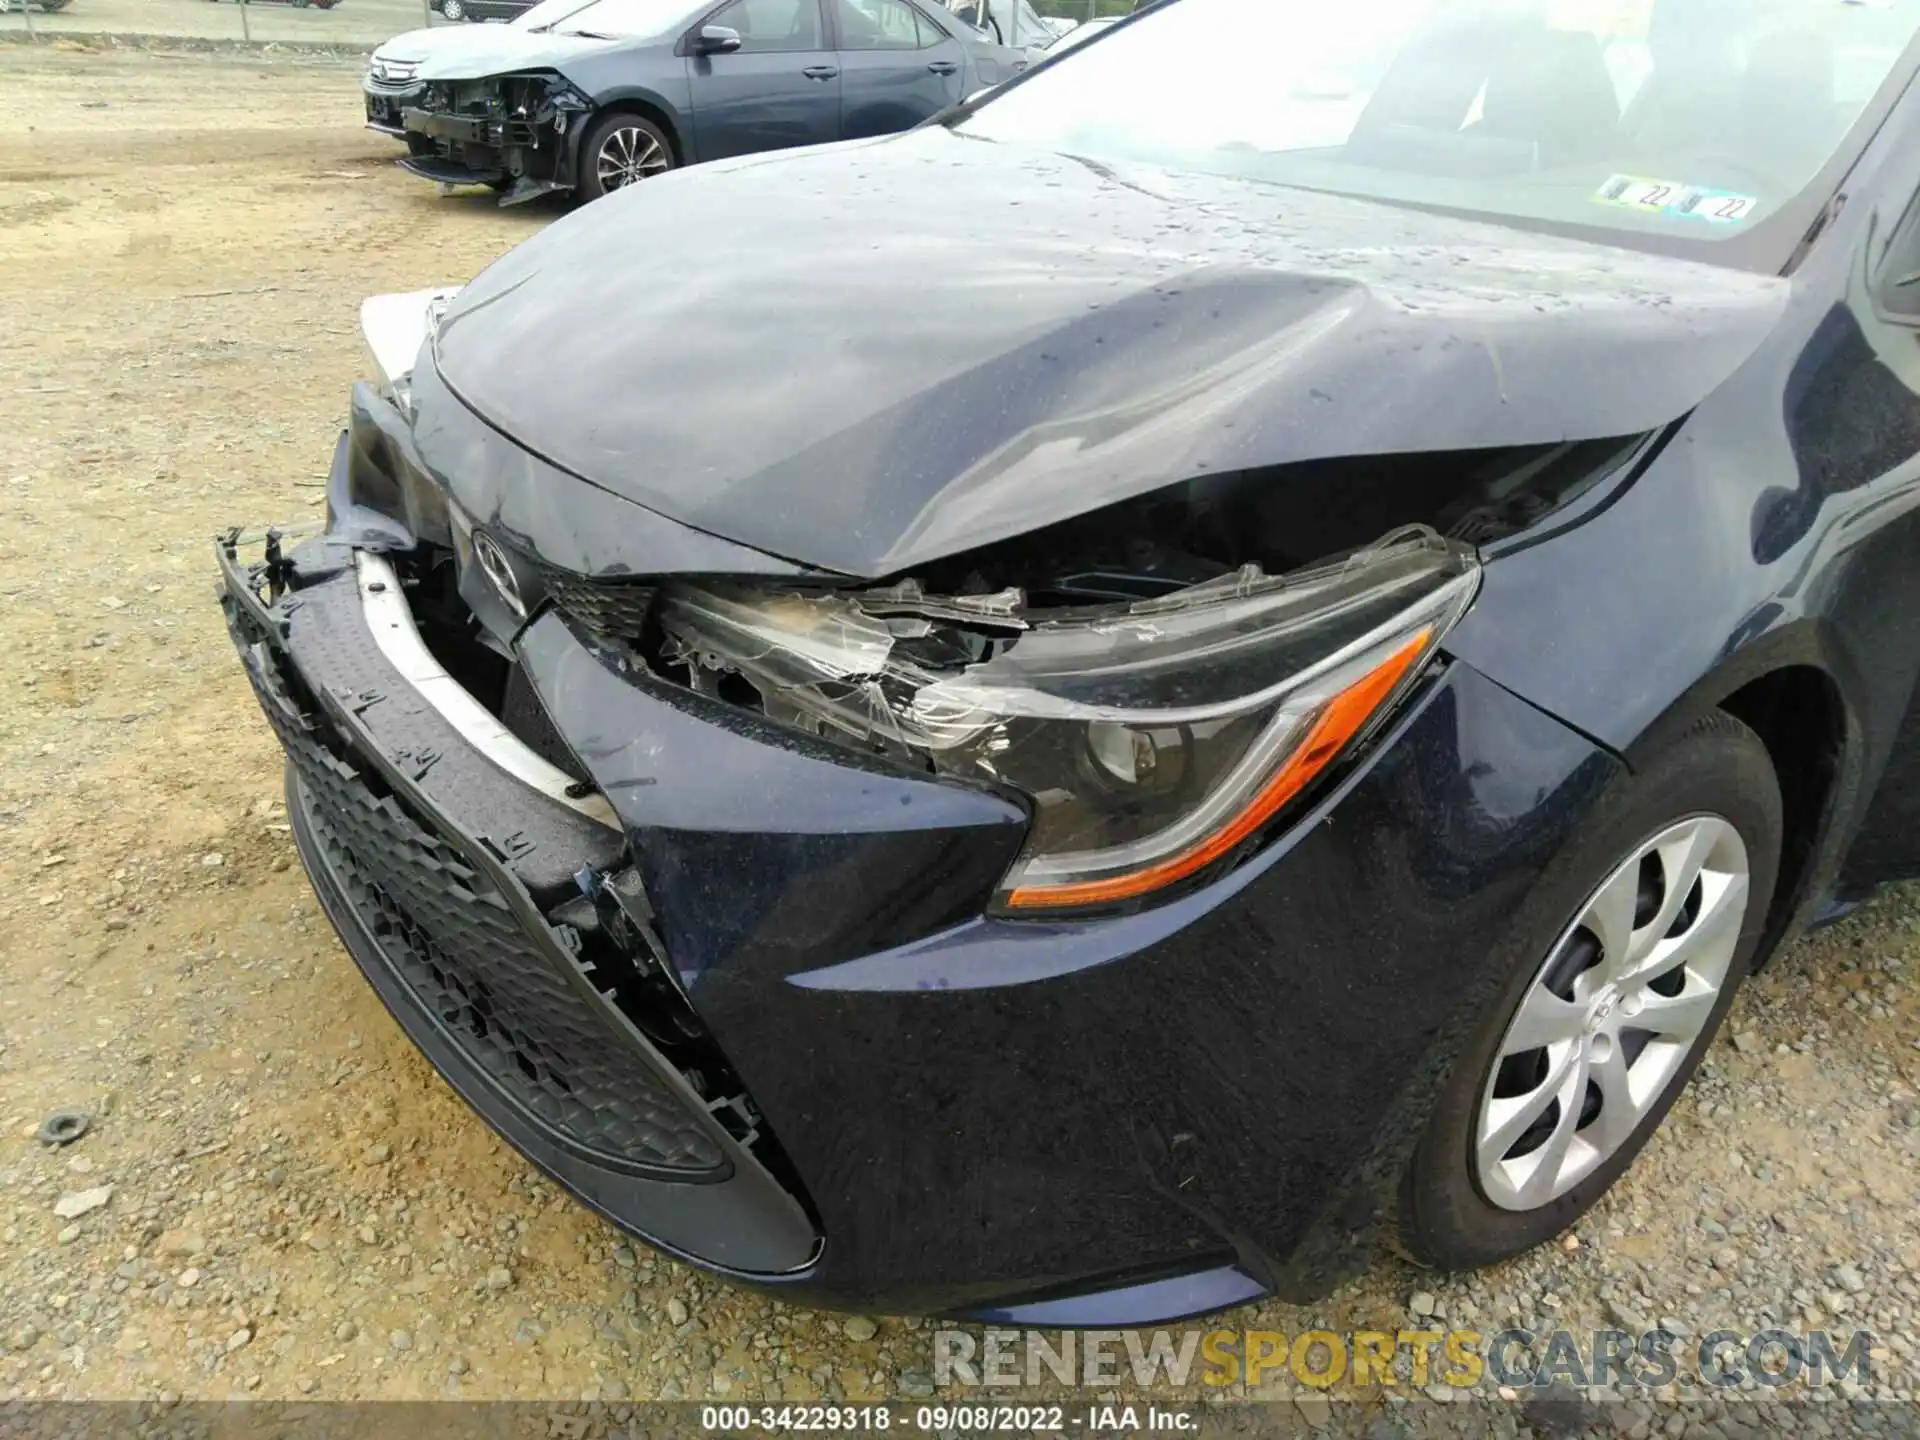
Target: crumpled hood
x: 472, y: 52
x: 868, y: 356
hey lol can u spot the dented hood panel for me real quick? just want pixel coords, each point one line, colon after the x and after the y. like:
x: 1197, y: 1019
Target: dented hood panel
x: 473, y: 52
x: 869, y: 356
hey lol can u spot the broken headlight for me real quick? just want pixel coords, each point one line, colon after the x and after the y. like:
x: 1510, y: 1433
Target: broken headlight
x: 394, y: 327
x: 1152, y: 739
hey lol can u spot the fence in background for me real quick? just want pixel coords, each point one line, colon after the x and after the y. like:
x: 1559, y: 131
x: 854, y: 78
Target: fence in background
x: 346, y: 23
x: 1079, y: 10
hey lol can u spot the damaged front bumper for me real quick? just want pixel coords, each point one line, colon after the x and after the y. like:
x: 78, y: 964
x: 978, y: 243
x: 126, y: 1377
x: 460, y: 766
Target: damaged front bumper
x: 388, y: 89
x: 515, y: 133
x: 479, y: 891
x: 742, y: 990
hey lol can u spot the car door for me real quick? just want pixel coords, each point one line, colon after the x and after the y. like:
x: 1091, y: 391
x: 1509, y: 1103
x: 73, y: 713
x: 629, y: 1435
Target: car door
x: 897, y: 66
x: 780, y: 88
x: 1864, y: 434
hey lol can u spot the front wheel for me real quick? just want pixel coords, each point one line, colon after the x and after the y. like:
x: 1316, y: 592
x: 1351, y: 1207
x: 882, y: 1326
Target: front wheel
x: 453, y: 10
x: 622, y: 149
x: 1631, y: 951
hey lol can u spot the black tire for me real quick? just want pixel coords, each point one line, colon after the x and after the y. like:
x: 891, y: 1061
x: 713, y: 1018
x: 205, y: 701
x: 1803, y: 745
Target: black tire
x: 1718, y: 767
x: 600, y: 134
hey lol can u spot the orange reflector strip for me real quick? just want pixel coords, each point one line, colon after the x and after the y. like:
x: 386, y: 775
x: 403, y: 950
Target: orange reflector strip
x: 1343, y: 718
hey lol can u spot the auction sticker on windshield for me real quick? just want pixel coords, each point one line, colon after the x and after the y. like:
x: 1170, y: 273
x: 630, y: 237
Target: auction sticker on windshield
x: 1676, y: 198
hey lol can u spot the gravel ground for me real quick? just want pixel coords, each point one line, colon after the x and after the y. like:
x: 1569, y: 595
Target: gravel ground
x: 292, y: 1203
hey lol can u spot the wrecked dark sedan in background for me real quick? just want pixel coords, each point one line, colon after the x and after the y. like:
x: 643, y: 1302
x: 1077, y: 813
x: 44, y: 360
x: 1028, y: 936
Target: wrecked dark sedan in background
x: 616, y: 91
x: 483, y: 9
x: 1065, y: 716
x: 392, y: 84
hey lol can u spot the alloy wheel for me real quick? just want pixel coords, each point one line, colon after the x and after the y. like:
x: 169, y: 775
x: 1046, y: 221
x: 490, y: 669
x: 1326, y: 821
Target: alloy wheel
x: 453, y: 10
x: 1612, y: 1015
x: 629, y: 155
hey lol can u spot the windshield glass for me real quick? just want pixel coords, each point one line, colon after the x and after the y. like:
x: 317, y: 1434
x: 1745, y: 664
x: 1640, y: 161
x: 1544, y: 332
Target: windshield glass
x: 1689, y: 117
x: 546, y: 13
x: 622, y: 19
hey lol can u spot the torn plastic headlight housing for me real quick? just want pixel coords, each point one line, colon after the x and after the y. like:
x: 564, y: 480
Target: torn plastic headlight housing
x: 1152, y: 739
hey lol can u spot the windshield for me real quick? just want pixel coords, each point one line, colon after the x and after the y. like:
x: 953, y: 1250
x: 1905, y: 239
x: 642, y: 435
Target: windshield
x: 546, y: 13
x: 615, y: 19
x: 1695, y: 118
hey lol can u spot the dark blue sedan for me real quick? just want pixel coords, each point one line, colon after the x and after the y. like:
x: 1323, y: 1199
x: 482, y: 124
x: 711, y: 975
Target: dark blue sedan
x: 1084, y: 713
x: 586, y: 98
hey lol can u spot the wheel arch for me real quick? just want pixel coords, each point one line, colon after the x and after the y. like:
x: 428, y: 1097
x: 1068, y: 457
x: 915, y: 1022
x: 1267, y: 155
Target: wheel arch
x: 1790, y: 688
x: 643, y: 103
x: 1799, y: 715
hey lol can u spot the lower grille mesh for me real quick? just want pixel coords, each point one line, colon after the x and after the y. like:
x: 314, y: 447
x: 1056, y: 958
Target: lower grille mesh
x: 611, y: 609
x: 450, y: 937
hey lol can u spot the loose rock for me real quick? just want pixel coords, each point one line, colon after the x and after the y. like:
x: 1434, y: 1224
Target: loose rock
x: 74, y: 1204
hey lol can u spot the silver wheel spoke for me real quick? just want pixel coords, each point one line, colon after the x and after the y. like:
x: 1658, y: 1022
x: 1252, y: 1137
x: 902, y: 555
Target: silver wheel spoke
x: 1610, y: 918
x: 1544, y: 1019
x: 1620, y: 1112
x: 1508, y: 1120
x: 1543, y: 1180
x: 1707, y: 945
x: 1678, y: 1017
x: 1680, y: 860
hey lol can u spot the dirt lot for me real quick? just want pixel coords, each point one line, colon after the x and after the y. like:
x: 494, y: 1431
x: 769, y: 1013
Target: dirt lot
x: 352, y: 22
x: 298, y: 1205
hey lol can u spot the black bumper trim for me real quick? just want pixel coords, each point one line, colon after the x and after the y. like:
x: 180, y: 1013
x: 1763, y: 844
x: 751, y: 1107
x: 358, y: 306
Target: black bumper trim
x: 736, y: 1218
x: 711, y: 1225
x: 451, y: 172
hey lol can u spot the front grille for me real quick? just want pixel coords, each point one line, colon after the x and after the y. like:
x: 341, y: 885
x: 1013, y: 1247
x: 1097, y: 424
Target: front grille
x: 392, y: 76
x: 610, y: 609
x: 450, y: 937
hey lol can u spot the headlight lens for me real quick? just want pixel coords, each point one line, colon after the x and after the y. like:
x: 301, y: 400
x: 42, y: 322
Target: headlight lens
x: 1153, y: 739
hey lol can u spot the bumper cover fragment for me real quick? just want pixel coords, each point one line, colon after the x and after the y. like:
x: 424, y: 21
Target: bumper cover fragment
x: 454, y: 941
